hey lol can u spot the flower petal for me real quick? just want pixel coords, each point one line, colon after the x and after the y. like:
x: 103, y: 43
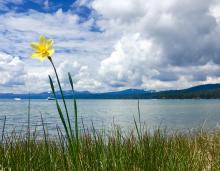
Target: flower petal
x: 41, y: 59
x: 38, y: 56
x: 35, y: 45
x: 51, y: 52
x: 42, y: 40
x: 49, y: 43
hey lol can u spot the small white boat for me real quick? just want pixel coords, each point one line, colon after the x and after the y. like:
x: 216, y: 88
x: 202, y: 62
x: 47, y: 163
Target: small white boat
x: 17, y: 99
x: 50, y: 98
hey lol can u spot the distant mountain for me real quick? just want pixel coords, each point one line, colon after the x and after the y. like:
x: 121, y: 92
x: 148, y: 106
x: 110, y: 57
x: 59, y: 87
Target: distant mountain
x: 207, y: 91
x: 204, y: 87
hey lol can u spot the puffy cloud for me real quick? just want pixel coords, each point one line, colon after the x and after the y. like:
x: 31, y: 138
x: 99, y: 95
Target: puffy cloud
x: 12, y: 71
x: 122, y: 10
x: 132, y: 59
x: 185, y: 31
x: 184, y: 34
x: 81, y: 77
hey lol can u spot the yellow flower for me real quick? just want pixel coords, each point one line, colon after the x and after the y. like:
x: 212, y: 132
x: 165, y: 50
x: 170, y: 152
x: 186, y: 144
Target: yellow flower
x: 42, y: 49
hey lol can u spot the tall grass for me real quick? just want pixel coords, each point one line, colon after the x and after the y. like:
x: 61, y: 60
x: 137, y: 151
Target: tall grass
x: 112, y: 151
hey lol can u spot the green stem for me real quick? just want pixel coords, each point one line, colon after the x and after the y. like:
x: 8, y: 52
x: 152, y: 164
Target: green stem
x: 61, y: 91
x: 63, y: 121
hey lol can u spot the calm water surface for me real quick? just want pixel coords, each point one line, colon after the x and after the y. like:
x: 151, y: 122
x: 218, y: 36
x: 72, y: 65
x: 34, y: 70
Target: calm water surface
x: 173, y: 114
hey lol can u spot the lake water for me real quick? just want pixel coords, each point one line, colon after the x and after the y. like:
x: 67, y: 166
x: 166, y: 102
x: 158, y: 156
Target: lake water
x: 173, y: 114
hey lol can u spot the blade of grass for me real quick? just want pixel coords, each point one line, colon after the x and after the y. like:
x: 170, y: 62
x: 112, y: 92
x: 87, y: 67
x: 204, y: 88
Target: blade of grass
x: 76, y: 119
x: 139, y: 118
x: 45, y: 134
x: 62, y: 145
x: 48, y: 156
x: 137, y: 129
x: 59, y: 109
x: 63, y: 98
x: 3, y: 129
x: 28, y: 133
x: 69, y: 138
x: 75, y: 109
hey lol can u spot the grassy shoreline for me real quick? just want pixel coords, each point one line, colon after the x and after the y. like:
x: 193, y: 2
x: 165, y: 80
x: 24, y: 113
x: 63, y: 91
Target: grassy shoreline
x: 115, y: 151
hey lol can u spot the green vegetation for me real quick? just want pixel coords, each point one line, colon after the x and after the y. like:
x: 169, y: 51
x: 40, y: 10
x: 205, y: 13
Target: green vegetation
x: 112, y: 151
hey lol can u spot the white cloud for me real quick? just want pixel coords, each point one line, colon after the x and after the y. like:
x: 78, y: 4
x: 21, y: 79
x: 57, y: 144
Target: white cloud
x: 12, y: 72
x: 133, y: 59
x: 81, y: 77
x: 185, y: 34
x: 144, y: 44
x: 120, y: 10
x: 75, y: 45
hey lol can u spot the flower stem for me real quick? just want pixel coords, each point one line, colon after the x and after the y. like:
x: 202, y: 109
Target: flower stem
x: 62, y: 95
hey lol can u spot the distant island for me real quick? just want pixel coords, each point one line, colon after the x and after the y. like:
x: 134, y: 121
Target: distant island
x: 207, y: 91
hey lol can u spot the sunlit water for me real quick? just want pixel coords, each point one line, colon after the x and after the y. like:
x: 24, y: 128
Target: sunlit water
x: 172, y: 114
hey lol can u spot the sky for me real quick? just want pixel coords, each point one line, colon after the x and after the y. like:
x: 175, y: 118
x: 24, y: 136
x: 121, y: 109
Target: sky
x: 111, y: 45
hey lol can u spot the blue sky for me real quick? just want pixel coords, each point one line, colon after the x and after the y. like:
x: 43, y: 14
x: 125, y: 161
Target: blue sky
x: 39, y: 5
x: 111, y: 45
x: 46, y: 6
